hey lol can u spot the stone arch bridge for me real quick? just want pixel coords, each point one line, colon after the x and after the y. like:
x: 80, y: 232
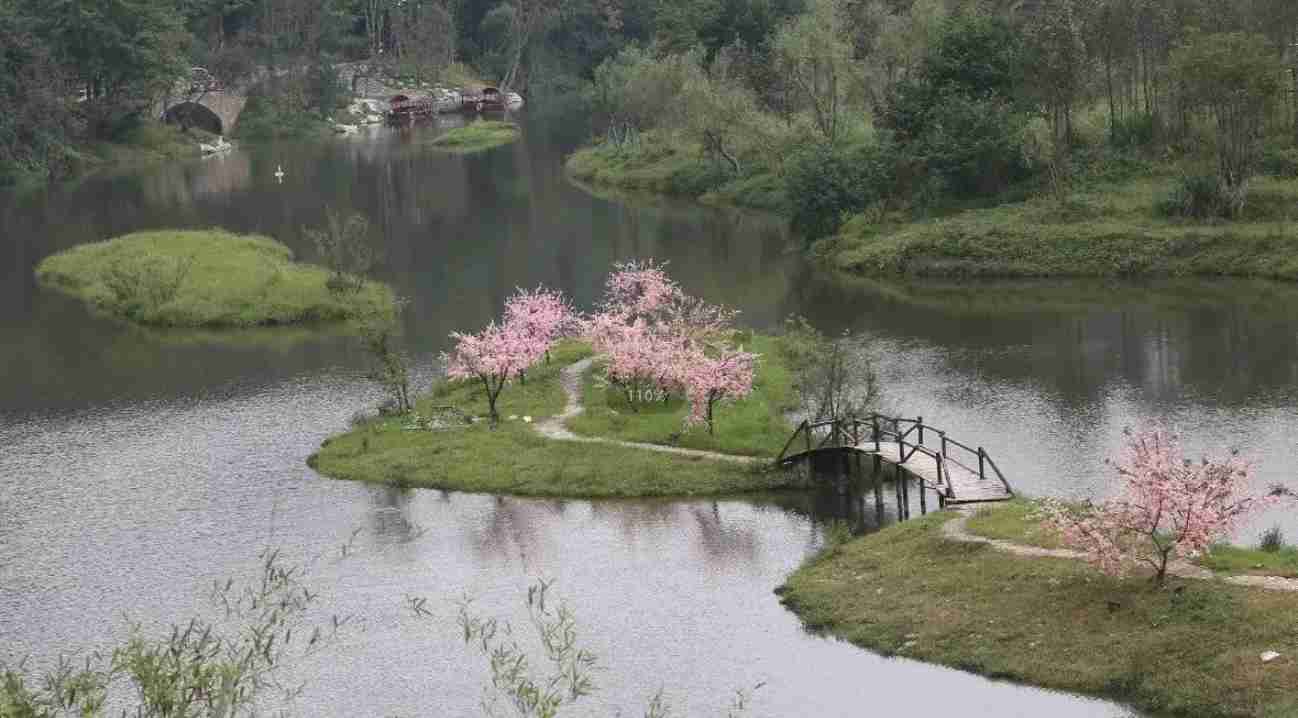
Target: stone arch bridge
x: 200, y: 101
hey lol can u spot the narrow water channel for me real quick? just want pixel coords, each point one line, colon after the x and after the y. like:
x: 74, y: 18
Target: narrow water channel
x: 136, y: 467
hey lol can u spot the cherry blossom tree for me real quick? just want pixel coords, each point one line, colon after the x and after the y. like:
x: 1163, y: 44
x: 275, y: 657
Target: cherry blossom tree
x: 1166, y: 508
x: 544, y: 315
x: 639, y: 290
x: 708, y: 380
x: 493, y: 356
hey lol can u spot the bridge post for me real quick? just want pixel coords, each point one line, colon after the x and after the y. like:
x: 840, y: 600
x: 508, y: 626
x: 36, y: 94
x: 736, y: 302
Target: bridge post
x: 920, y: 422
x: 878, y: 486
x: 905, y: 494
x: 923, y: 499
x: 982, y: 473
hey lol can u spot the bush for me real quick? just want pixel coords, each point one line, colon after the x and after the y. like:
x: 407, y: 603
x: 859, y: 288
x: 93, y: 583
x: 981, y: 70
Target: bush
x: 1272, y: 540
x: 826, y: 184
x: 1280, y: 162
x: 697, y: 178
x: 1200, y: 196
x: 1134, y: 131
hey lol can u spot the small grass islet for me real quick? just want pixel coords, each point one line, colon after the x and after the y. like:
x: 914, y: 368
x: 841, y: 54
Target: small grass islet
x: 1190, y: 649
x: 514, y: 458
x: 477, y: 136
x: 205, y: 279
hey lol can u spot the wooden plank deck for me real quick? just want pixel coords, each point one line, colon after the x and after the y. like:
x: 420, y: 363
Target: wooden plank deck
x: 960, y: 485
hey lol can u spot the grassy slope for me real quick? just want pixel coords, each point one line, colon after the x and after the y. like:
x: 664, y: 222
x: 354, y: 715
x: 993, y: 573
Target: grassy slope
x: 235, y: 280
x: 477, y: 136
x: 755, y: 426
x: 1055, y: 623
x: 664, y: 167
x: 1107, y: 230
x: 514, y: 459
x: 1017, y: 521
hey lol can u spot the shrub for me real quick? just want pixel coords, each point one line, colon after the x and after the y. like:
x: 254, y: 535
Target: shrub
x: 1280, y: 162
x: 1272, y: 540
x: 145, y: 282
x: 1133, y: 131
x: 826, y: 184
x: 1202, y: 196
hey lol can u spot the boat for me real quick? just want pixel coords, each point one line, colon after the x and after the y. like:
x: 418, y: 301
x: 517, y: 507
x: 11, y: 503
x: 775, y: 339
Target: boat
x: 403, y: 109
x: 489, y: 99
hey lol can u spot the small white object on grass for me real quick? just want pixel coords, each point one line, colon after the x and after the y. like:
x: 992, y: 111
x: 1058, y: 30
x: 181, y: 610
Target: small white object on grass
x: 527, y: 420
x: 1268, y: 656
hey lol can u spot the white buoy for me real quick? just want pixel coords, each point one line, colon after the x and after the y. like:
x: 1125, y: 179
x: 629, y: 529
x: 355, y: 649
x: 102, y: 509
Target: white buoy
x: 279, y: 173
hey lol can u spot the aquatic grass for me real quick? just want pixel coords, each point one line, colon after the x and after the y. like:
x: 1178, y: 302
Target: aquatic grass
x: 477, y: 136
x: 204, y: 279
x: 753, y: 426
x: 1055, y: 623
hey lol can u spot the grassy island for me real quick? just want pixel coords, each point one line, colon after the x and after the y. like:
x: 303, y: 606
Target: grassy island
x: 1191, y: 649
x: 1113, y: 230
x: 673, y: 167
x: 515, y: 459
x: 477, y: 136
x: 208, y: 278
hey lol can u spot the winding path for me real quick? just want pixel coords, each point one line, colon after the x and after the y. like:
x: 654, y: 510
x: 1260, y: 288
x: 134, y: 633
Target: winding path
x: 555, y: 427
x: 957, y: 529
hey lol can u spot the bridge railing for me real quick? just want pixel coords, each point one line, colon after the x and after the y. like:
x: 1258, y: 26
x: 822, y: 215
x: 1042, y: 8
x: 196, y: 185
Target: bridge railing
x: 910, y: 435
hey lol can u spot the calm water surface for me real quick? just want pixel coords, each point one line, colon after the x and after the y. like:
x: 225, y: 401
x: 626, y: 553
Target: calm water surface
x: 136, y: 467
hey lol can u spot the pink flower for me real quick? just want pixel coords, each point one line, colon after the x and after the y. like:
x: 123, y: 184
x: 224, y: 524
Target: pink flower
x: 1166, y: 507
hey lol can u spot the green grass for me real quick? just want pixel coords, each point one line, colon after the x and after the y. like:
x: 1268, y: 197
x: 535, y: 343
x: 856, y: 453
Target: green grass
x: 666, y: 166
x: 477, y: 136
x: 1055, y: 623
x: 233, y: 281
x: 753, y: 426
x: 514, y: 459
x: 1105, y: 230
x: 540, y: 395
x: 1018, y: 521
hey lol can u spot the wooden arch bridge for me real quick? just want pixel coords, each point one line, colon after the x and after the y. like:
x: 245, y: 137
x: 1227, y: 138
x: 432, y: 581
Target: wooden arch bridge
x: 956, y: 472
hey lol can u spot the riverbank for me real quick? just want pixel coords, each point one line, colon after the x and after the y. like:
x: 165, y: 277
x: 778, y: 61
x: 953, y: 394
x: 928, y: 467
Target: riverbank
x: 1105, y: 230
x: 910, y: 590
x: 477, y: 137
x: 675, y: 169
x: 533, y: 453
x: 147, y: 143
x: 204, y: 279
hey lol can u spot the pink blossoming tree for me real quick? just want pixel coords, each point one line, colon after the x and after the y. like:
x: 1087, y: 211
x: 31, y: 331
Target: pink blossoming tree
x: 708, y: 380
x: 1167, y: 508
x: 660, y: 341
x: 493, y: 356
x: 545, y: 316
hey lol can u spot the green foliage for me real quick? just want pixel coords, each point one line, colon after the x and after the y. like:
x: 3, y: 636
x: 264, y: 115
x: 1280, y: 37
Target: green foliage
x: 1236, y: 77
x: 960, y: 119
x: 826, y: 184
x: 203, y: 279
x: 1280, y: 162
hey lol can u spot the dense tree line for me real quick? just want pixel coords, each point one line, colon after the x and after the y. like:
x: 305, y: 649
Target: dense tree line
x: 857, y: 103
